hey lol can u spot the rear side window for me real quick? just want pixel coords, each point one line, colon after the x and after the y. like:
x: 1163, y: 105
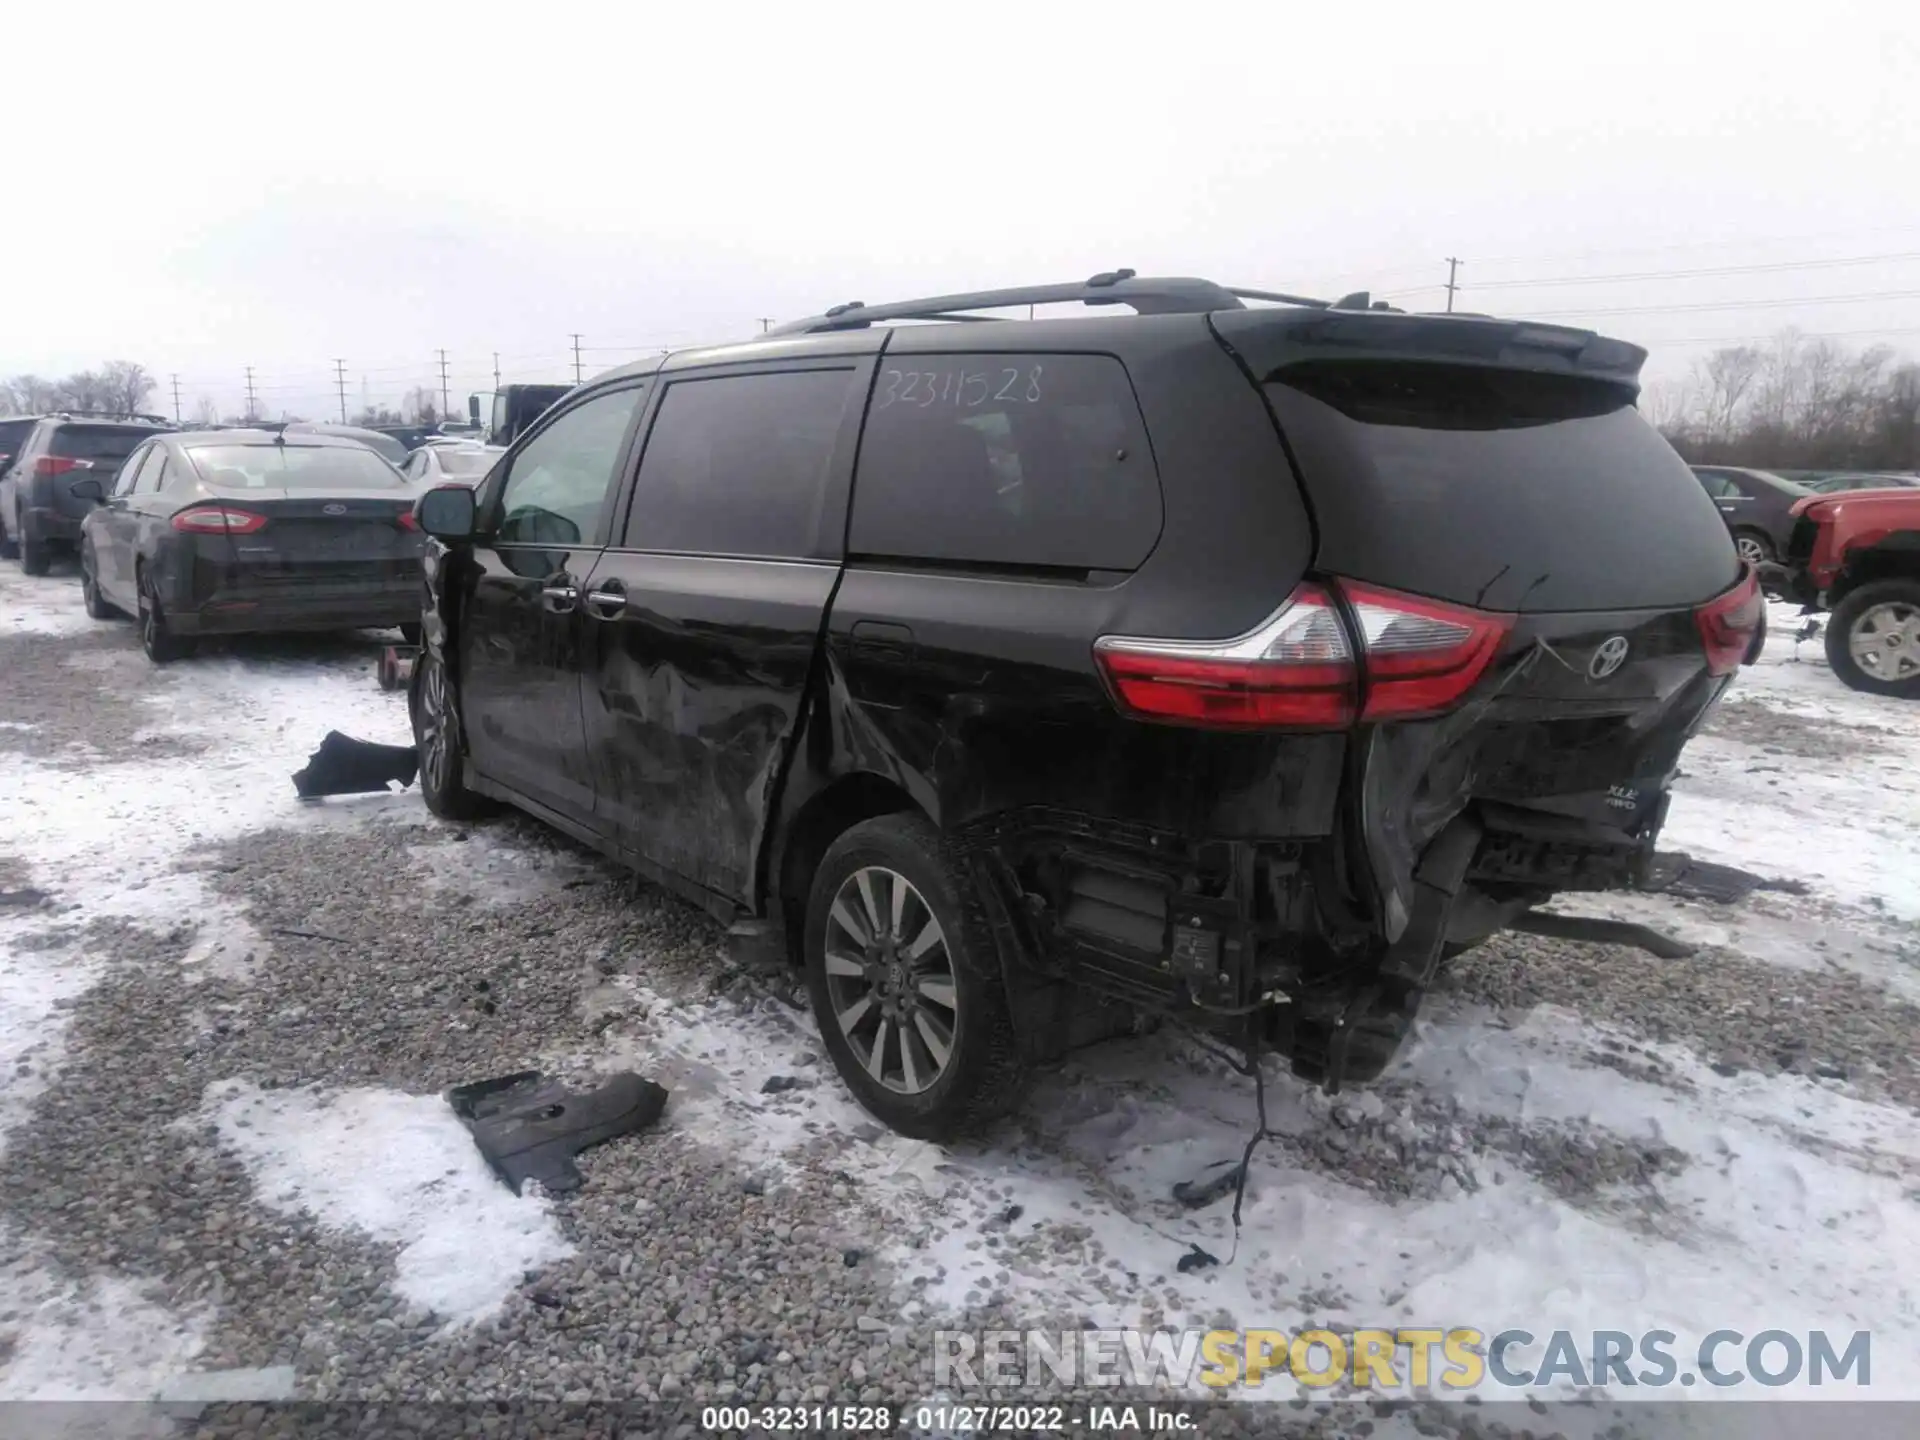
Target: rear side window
x: 96, y: 442
x: 1506, y: 489
x: 128, y: 480
x: 1026, y: 461
x: 294, y: 467
x: 738, y: 464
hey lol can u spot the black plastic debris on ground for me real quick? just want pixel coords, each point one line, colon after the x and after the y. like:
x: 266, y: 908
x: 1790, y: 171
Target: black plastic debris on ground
x: 1195, y: 1259
x: 1685, y: 878
x: 1195, y: 1193
x: 345, y: 766
x: 530, y: 1128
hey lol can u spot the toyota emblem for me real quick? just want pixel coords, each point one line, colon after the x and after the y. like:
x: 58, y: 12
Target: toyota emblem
x: 1609, y: 657
x: 341, y: 510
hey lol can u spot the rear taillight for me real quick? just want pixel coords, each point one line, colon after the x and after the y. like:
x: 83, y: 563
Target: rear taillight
x: 406, y: 521
x: 48, y: 466
x: 1423, y: 656
x: 217, y: 520
x: 1295, y: 671
x: 1298, y: 670
x: 1729, y: 624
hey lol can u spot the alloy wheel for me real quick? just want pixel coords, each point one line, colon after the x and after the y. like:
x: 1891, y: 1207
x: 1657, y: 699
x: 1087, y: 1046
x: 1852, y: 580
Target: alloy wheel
x: 1885, y: 641
x: 890, y: 980
x: 1751, y: 550
x: 434, y: 749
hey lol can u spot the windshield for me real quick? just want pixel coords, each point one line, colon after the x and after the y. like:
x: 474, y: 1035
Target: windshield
x: 467, y: 462
x: 294, y: 467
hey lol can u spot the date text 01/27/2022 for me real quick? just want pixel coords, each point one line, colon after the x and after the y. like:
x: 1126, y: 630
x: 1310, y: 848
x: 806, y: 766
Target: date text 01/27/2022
x: 944, y: 1419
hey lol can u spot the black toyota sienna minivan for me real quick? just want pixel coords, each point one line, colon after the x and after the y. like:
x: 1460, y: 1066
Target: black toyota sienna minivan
x: 1221, y: 656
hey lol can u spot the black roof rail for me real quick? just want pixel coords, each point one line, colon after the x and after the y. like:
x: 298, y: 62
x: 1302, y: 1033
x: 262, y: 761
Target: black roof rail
x: 1170, y: 295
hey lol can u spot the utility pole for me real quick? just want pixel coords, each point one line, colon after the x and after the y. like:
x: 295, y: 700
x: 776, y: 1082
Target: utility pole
x: 496, y: 372
x: 1453, y: 269
x: 340, y: 374
x: 766, y: 324
x: 176, y: 399
x: 249, y: 393
x: 443, y: 385
x: 576, y: 360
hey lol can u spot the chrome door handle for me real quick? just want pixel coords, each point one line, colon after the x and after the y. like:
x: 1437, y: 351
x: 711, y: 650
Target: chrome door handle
x: 607, y: 603
x: 559, y: 599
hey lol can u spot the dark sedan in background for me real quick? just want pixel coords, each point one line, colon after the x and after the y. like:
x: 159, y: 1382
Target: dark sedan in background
x: 1757, y: 506
x: 243, y: 531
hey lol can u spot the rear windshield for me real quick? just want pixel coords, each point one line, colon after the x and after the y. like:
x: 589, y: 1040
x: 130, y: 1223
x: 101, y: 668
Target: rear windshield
x: 467, y: 462
x: 1510, y: 490
x: 294, y: 467
x: 96, y: 442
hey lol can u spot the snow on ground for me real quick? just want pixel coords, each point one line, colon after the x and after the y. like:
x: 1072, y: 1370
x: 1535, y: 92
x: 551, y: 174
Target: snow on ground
x: 1789, y: 1206
x: 399, y: 1168
x: 104, y: 842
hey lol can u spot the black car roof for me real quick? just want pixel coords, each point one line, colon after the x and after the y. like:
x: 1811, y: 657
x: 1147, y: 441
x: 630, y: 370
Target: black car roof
x: 1272, y: 331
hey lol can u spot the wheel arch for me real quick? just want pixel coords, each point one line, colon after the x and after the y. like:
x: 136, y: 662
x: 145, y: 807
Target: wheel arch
x: 826, y: 815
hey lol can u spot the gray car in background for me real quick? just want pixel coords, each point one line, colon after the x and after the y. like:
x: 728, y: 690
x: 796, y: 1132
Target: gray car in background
x: 1756, y: 505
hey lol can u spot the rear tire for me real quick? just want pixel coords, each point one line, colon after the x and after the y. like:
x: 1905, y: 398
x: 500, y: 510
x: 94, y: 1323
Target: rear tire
x: 929, y: 1048
x: 9, y: 549
x: 163, y: 647
x: 36, y: 558
x: 90, y: 596
x: 1756, y: 549
x: 1873, y: 639
x: 436, y: 735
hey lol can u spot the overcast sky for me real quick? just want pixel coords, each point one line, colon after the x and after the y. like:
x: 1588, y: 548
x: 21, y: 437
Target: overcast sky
x: 282, y: 185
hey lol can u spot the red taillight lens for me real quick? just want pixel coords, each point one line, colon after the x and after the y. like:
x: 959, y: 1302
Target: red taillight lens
x: 49, y: 465
x: 1295, y: 671
x: 1298, y: 670
x: 406, y: 521
x: 1423, y: 655
x: 217, y: 520
x: 1729, y: 623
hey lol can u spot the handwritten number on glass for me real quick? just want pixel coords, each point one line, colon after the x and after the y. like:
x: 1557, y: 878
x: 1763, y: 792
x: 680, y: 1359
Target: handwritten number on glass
x: 961, y: 389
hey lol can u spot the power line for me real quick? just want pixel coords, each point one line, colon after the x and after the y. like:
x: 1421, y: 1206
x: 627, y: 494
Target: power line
x: 1759, y: 269
x: 1693, y: 306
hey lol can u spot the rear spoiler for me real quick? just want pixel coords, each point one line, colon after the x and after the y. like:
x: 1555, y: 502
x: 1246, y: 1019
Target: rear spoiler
x: 1269, y: 340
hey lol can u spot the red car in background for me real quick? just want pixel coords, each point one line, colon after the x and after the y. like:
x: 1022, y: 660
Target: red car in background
x: 1857, y: 554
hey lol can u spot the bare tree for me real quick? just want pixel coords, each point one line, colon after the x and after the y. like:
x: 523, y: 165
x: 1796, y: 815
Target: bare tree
x: 1796, y: 403
x: 127, y: 385
x: 420, y: 406
x: 30, y: 394
x: 205, y: 412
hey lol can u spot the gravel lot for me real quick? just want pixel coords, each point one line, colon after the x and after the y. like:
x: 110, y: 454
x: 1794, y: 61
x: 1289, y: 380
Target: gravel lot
x: 227, y: 1018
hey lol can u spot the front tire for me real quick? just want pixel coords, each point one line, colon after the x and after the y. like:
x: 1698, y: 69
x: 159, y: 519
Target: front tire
x: 905, y: 981
x: 1873, y: 639
x: 436, y: 737
x: 163, y: 647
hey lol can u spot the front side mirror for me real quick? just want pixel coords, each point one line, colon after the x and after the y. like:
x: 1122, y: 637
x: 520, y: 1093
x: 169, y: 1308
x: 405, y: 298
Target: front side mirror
x: 446, y: 512
x: 88, y: 490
